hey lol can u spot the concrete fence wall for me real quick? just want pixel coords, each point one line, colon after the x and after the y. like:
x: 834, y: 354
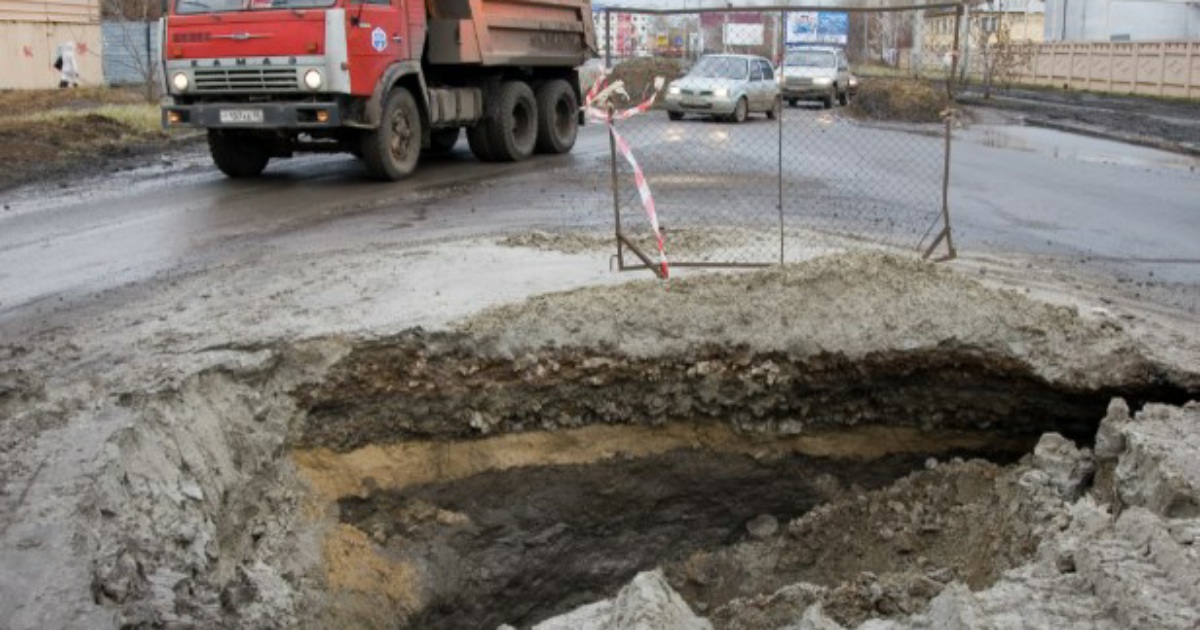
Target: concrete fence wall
x: 28, y: 49
x: 1154, y: 69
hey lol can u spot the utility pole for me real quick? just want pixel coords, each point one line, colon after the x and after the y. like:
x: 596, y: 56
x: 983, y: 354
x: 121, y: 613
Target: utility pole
x: 917, y: 59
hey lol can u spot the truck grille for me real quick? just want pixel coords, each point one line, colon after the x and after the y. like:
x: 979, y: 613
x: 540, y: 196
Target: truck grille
x: 246, y: 79
x: 697, y: 92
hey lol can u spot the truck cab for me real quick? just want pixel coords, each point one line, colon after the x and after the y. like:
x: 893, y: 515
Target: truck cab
x: 268, y: 78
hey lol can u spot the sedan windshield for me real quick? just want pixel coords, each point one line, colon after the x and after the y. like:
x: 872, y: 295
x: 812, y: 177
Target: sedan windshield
x: 721, y: 68
x: 189, y: 7
x: 810, y: 59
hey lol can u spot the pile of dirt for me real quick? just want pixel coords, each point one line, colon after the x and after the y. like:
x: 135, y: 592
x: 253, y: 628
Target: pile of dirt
x: 639, y: 75
x: 57, y: 133
x: 899, y: 100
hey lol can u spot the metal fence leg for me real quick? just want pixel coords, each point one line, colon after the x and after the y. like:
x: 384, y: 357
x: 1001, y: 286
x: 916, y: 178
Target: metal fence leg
x: 782, y: 34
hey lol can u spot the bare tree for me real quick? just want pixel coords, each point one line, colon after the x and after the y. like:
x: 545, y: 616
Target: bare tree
x: 1000, y: 58
x: 135, y: 22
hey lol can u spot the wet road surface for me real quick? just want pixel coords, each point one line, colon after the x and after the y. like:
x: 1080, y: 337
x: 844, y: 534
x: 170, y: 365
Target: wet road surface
x: 1013, y: 189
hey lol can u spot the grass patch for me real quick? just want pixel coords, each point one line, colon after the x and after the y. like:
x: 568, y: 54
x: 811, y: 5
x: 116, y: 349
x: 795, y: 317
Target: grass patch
x: 140, y: 119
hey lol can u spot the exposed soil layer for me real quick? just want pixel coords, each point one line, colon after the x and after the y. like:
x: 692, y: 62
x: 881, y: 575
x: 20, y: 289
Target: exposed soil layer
x: 422, y: 386
x: 527, y: 543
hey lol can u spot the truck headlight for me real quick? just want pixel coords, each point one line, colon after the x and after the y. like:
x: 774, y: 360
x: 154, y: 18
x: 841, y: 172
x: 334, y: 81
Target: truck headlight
x: 312, y: 79
x: 673, y: 91
x: 180, y: 81
x: 822, y: 81
x: 721, y: 92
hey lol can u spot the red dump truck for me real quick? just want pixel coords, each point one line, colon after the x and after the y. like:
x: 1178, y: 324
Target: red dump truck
x: 381, y: 79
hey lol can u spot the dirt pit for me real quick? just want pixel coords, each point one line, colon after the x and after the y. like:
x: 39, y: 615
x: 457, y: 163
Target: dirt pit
x: 496, y: 474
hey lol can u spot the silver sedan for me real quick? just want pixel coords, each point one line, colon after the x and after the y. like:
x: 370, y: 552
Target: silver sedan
x: 725, y: 86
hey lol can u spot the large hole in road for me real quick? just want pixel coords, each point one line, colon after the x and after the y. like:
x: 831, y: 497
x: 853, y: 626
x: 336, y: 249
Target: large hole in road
x: 474, y: 491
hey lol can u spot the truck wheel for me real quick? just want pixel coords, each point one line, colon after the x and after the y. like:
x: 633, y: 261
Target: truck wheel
x: 390, y: 151
x: 830, y: 98
x: 512, y: 133
x: 844, y: 98
x: 478, y: 138
x: 442, y: 140
x: 558, y: 117
x: 236, y: 154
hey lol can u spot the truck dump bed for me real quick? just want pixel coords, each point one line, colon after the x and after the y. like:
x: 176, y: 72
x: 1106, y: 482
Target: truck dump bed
x: 507, y: 32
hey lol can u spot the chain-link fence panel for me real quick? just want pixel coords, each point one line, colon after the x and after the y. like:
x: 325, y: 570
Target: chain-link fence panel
x: 772, y: 132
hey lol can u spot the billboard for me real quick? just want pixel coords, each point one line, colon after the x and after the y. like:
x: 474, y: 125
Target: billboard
x: 817, y: 27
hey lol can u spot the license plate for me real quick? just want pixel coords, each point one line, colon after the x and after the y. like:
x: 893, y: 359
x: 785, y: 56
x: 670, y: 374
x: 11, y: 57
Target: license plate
x: 695, y: 104
x: 241, y: 116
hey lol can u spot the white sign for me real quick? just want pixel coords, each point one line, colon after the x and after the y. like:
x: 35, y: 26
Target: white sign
x: 743, y: 34
x: 378, y: 39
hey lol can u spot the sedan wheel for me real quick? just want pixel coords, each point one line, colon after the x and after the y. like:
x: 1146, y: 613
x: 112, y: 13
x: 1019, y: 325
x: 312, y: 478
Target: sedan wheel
x: 739, y: 111
x: 775, y: 110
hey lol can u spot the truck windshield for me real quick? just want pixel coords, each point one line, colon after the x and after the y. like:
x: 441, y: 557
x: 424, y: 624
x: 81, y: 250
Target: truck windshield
x: 191, y: 7
x: 810, y: 59
x: 721, y: 68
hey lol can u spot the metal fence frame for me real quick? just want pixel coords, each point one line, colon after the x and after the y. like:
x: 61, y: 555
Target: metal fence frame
x: 646, y: 262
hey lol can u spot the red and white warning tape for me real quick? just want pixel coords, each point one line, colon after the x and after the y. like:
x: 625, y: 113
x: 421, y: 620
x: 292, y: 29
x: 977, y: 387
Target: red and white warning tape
x: 644, y: 192
x: 598, y: 95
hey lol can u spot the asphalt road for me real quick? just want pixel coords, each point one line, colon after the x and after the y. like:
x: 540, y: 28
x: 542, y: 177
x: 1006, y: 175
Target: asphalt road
x: 1131, y: 210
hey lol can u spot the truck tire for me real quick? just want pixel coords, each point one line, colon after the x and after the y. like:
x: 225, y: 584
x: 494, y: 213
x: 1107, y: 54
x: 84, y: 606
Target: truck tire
x: 236, y: 154
x: 512, y: 132
x: 558, y: 117
x: 390, y: 151
x: 442, y: 141
x: 478, y: 139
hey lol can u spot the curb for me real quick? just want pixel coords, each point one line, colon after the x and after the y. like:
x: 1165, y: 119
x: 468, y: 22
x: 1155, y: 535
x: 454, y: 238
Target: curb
x: 1144, y: 141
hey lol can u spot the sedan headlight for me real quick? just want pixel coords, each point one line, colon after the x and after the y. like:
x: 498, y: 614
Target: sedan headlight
x: 673, y: 90
x: 721, y: 92
x: 822, y: 81
x: 312, y: 79
x: 180, y: 81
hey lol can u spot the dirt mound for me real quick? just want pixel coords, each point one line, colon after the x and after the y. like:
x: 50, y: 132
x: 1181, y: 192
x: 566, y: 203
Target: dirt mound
x: 62, y: 141
x: 639, y: 75
x: 899, y: 100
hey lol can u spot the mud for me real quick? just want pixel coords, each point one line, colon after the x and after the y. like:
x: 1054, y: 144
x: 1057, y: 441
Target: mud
x: 1169, y: 124
x: 521, y: 545
x: 1053, y: 541
x: 772, y: 441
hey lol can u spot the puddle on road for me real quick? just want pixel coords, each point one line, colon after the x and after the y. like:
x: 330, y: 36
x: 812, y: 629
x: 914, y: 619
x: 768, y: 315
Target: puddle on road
x: 1061, y: 145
